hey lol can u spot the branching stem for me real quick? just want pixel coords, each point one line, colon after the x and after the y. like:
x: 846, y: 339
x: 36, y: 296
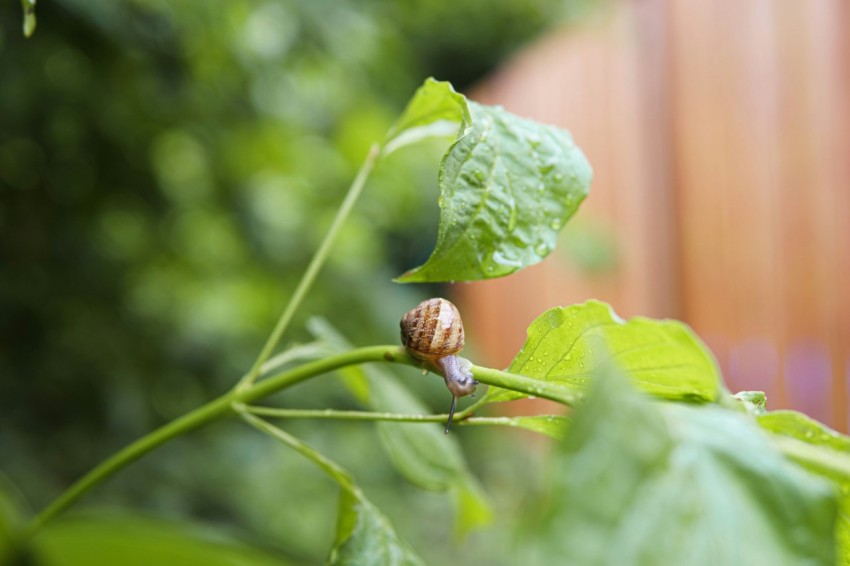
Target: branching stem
x: 245, y: 394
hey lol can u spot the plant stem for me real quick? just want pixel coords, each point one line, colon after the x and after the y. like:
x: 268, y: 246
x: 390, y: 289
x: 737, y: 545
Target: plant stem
x: 312, y: 271
x: 224, y: 406
x: 215, y: 409
x: 558, y: 392
x: 188, y: 422
x: 461, y: 417
x: 330, y: 414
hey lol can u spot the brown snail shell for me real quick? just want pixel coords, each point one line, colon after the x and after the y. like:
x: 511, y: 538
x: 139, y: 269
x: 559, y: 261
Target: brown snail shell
x: 433, y: 332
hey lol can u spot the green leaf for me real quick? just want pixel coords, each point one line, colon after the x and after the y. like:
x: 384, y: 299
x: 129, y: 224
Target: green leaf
x: 799, y: 426
x: 507, y: 187
x: 28, y: 6
x: 109, y: 539
x: 637, y: 482
x: 13, y: 508
x: 662, y: 357
x: 824, y: 452
x: 352, y: 377
x: 435, y: 110
x: 365, y: 537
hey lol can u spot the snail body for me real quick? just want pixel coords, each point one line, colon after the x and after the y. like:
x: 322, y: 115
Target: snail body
x: 433, y: 332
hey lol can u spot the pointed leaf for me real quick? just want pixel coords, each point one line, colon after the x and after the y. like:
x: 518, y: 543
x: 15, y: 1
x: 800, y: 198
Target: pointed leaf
x: 435, y: 110
x: 661, y: 357
x: 365, y: 537
x: 507, y: 187
x: 799, y: 426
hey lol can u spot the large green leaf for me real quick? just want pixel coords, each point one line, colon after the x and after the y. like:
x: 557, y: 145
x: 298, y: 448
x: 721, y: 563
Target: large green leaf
x: 637, y: 482
x: 108, y: 539
x: 507, y: 186
x: 662, y: 357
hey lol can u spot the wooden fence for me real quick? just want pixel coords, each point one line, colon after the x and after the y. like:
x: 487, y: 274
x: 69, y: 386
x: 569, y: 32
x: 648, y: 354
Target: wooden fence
x: 719, y: 132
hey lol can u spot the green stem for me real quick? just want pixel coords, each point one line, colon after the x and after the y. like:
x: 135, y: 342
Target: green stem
x: 312, y: 271
x: 331, y: 414
x: 224, y: 406
x: 461, y: 418
x: 215, y: 409
x: 558, y: 392
x: 188, y: 422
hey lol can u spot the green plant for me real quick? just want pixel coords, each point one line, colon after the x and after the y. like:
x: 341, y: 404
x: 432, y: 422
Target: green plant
x: 701, y: 477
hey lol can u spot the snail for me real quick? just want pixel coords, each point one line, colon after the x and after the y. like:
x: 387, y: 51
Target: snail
x: 433, y: 332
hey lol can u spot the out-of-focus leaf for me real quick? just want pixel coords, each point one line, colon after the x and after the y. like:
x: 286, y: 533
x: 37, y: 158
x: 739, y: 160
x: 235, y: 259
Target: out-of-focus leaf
x: 365, y: 537
x: 420, y: 451
x: 11, y: 511
x: 637, y: 482
x: 107, y: 540
x: 662, y: 357
x: 507, y: 187
x: 799, y: 426
x: 28, y: 6
x: 829, y: 456
x: 353, y: 377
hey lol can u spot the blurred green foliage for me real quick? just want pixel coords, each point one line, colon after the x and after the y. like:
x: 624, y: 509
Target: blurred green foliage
x: 166, y: 172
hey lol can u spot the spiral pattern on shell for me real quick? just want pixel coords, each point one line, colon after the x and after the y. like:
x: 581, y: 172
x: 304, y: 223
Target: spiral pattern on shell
x: 432, y: 330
